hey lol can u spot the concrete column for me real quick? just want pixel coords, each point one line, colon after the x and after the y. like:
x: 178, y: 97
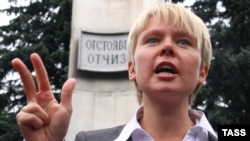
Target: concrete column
x: 101, y: 99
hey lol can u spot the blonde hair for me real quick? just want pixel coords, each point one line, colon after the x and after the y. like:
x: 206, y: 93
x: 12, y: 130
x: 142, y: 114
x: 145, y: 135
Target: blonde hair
x: 179, y: 16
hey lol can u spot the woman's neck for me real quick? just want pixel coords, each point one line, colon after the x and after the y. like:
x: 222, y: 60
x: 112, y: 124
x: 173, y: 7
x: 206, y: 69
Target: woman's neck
x: 163, y: 121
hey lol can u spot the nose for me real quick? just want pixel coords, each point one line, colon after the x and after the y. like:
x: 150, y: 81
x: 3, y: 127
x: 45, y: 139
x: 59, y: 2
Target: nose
x: 167, y: 48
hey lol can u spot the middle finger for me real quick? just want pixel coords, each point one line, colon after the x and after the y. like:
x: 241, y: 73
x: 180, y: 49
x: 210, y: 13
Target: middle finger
x: 41, y: 73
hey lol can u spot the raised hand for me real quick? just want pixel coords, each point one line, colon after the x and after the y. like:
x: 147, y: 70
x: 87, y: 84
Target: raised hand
x: 43, y: 118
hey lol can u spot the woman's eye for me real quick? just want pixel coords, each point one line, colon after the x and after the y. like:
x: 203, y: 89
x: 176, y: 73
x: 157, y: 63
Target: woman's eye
x: 184, y: 42
x: 152, y: 40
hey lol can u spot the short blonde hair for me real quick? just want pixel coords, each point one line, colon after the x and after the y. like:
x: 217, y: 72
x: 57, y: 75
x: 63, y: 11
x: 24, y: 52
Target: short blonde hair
x: 179, y: 16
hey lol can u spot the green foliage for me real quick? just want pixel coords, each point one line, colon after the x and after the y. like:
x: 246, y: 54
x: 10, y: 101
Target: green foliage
x: 8, y: 129
x: 43, y: 27
x: 225, y: 99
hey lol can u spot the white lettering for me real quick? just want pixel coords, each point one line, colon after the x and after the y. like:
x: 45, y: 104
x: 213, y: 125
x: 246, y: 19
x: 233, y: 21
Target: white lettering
x: 224, y: 132
x: 234, y: 132
x: 243, y: 132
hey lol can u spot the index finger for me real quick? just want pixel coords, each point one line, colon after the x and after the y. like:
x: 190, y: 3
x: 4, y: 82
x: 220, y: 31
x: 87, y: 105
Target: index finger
x: 27, y: 80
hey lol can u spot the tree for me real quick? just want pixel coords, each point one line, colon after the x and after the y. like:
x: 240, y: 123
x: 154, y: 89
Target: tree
x: 225, y: 99
x: 42, y: 27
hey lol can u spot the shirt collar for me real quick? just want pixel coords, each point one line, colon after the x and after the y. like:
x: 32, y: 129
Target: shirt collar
x: 201, y: 121
x: 133, y: 124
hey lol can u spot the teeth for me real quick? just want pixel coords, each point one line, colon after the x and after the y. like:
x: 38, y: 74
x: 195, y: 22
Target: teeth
x: 166, y: 69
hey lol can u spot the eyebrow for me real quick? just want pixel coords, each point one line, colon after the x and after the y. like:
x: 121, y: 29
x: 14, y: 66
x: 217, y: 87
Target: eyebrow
x: 156, y: 30
x: 151, y: 31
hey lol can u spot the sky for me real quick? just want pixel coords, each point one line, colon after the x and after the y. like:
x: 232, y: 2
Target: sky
x: 4, y: 19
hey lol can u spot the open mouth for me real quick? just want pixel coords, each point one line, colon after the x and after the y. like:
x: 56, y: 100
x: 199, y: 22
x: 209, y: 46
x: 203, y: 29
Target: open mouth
x: 166, y: 69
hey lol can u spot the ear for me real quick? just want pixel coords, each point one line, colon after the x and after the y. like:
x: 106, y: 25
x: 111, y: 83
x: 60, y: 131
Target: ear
x: 131, y: 71
x: 203, y: 75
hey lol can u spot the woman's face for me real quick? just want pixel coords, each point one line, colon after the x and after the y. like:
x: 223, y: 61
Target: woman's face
x: 167, y: 62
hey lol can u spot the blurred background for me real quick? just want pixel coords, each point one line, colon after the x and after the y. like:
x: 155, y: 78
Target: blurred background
x: 44, y: 26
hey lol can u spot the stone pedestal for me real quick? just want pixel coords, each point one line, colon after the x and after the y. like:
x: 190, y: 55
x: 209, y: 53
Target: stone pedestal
x: 101, y: 99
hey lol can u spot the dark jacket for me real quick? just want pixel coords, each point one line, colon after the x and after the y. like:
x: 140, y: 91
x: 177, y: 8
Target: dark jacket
x: 109, y: 134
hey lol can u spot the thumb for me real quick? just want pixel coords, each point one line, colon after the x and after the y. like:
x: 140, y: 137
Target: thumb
x: 66, y: 95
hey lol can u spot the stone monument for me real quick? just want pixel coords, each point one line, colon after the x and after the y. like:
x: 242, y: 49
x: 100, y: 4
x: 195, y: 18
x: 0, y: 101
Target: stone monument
x: 104, y: 96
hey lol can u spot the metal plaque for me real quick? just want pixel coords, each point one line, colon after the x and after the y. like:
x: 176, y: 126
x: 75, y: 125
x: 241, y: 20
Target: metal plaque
x: 102, y: 52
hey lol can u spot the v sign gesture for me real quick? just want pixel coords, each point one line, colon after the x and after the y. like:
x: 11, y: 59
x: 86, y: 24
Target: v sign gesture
x: 43, y: 118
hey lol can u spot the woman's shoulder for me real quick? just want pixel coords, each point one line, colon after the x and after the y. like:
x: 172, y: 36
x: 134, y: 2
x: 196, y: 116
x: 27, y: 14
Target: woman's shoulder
x: 106, y: 134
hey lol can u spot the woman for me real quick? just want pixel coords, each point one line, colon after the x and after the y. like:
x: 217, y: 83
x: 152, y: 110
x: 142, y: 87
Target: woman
x: 170, y: 53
